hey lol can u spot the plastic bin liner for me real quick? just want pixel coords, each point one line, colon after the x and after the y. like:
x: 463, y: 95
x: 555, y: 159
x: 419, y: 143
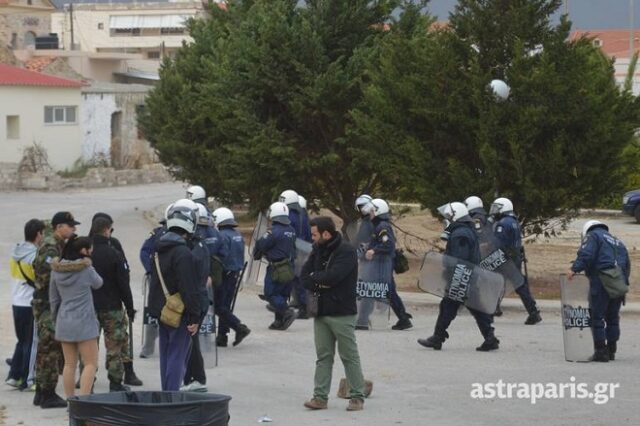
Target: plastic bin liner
x: 149, y: 408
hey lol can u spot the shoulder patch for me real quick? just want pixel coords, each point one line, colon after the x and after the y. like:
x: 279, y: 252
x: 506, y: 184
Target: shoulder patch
x: 499, y: 228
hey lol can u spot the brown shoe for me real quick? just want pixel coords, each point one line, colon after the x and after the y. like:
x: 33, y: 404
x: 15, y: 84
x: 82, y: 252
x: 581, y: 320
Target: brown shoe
x: 316, y: 404
x: 344, y: 390
x: 355, y: 404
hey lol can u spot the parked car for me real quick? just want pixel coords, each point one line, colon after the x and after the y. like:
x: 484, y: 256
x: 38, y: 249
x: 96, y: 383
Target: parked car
x: 631, y: 204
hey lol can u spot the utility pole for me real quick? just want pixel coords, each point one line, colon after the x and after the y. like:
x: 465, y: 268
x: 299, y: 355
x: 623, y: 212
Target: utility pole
x: 71, y: 18
x: 631, y: 30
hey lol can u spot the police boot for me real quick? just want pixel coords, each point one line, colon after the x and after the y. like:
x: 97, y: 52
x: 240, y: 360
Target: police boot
x: 613, y: 348
x: 37, y: 398
x: 277, y: 323
x: 601, y: 353
x: 50, y: 399
x: 130, y: 377
x: 491, y: 343
x: 302, y: 312
x: 533, y: 318
x: 403, y: 323
x: 222, y: 340
x: 434, y: 341
x: 287, y: 319
x: 118, y: 387
x: 242, y: 332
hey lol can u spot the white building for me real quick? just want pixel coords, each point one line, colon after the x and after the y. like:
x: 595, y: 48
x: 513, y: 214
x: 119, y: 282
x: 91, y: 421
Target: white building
x: 39, y: 109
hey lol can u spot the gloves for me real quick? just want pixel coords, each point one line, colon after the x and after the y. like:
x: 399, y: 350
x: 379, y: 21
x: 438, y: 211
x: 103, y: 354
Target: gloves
x: 131, y: 313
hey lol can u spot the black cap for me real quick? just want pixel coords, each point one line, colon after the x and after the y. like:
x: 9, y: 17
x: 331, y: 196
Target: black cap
x: 63, y: 217
x: 102, y: 215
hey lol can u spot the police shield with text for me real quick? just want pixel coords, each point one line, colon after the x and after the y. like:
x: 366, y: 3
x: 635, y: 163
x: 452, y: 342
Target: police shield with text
x: 576, y: 318
x: 462, y: 244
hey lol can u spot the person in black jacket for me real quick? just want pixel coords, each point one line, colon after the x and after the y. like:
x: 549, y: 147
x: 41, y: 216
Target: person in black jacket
x: 462, y: 243
x: 130, y: 377
x: 178, y: 271
x: 332, y: 272
x: 109, y: 299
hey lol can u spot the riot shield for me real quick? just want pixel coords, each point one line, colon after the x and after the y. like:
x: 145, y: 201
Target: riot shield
x: 303, y: 250
x: 374, y: 283
x: 495, y: 259
x: 149, y: 343
x: 207, y: 336
x: 576, y: 318
x: 461, y: 281
x: 256, y: 269
x: 359, y: 233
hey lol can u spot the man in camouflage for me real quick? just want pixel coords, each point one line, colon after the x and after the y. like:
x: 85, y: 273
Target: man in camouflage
x: 108, y: 300
x: 49, y: 357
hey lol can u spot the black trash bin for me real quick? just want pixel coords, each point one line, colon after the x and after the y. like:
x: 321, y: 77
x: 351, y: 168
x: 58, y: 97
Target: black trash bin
x: 149, y: 408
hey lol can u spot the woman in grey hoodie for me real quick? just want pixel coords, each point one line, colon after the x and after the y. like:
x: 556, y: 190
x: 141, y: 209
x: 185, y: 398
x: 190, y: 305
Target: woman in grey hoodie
x: 72, y: 279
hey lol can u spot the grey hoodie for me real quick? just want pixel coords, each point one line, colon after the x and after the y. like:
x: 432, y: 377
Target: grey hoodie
x: 23, y: 254
x: 71, y: 299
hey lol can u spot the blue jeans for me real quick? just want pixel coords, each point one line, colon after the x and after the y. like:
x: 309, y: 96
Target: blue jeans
x: 175, y: 347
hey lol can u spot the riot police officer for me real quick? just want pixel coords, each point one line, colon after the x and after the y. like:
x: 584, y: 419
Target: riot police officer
x: 509, y: 236
x: 278, y: 246
x: 462, y: 243
x: 383, y: 243
x: 601, y: 251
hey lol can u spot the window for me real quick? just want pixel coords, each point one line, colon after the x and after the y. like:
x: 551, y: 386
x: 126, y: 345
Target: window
x: 100, y: 26
x: 139, y: 113
x: 171, y: 30
x: 13, y: 127
x: 597, y: 42
x: 60, y: 114
x: 153, y: 54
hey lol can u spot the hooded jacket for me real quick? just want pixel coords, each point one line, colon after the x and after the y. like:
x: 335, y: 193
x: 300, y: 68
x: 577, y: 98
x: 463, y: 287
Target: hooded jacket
x: 22, y: 274
x: 71, y: 299
x: 179, y: 272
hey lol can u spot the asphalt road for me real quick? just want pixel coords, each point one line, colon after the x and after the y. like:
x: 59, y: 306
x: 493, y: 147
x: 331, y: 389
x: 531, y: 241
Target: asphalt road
x: 271, y: 373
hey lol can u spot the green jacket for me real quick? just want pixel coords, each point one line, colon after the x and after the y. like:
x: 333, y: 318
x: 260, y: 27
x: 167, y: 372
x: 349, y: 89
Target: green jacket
x: 50, y: 249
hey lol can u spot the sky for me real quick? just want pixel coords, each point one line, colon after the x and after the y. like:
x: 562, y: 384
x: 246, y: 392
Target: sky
x: 584, y: 14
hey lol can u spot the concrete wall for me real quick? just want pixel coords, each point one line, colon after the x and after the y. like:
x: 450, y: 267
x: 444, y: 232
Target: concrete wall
x: 62, y: 142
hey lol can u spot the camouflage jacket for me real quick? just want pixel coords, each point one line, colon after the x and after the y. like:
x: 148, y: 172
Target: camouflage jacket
x: 50, y: 249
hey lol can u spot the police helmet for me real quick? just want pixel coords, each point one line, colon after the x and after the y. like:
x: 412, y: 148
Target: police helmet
x: 196, y: 192
x: 279, y: 212
x: 182, y: 217
x: 289, y: 197
x: 473, y: 203
x: 590, y: 224
x: 302, y: 201
x: 379, y: 207
x: 501, y: 206
x: 223, y: 216
x: 453, y: 211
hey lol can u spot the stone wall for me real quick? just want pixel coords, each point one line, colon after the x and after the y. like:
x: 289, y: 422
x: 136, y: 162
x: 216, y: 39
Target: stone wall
x: 99, y: 177
x: 37, y: 22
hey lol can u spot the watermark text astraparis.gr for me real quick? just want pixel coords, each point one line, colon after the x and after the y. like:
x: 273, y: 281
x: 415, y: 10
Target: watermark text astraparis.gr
x: 599, y: 393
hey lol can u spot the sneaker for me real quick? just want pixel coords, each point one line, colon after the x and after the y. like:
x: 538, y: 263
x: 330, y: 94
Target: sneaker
x: 533, y: 318
x: 242, y: 332
x: 29, y: 388
x: 194, y: 386
x: 355, y: 404
x: 13, y: 382
x: 316, y: 404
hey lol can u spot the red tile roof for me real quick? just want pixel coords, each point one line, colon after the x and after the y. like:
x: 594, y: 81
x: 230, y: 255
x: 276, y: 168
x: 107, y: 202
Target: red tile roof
x: 14, y: 76
x: 612, y: 42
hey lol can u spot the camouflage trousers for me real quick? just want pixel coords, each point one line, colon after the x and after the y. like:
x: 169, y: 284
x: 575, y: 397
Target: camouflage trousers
x: 116, y: 337
x: 126, y: 348
x: 49, y: 358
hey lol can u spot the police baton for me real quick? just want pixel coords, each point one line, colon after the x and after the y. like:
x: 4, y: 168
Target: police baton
x: 238, y: 282
x: 524, y: 262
